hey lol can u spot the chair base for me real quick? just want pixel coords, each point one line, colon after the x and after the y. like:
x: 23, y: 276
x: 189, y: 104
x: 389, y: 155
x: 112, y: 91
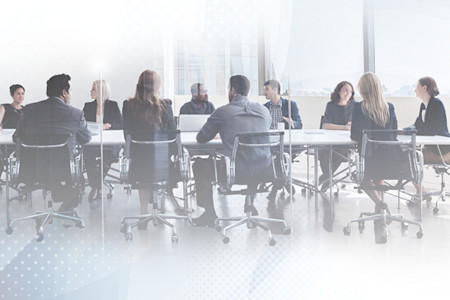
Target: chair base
x: 384, y: 219
x: 251, y: 221
x: 155, y: 217
x: 44, y: 218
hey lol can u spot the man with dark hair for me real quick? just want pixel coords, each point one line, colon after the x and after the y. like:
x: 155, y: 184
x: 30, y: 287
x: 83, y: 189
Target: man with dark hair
x: 56, y: 116
x: 199, y: 104
x: 279, y: 107
x: 279, y: 110
x: 240, y: 115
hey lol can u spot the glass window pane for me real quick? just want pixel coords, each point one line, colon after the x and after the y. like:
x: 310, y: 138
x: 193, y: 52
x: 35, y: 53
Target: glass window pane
x: 412, y: 41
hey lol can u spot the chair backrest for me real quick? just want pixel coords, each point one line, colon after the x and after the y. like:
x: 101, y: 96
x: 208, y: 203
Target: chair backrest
x: 254, y: 155
x: 45, y: 159
x: 149, y: 155
x: 388, y: 155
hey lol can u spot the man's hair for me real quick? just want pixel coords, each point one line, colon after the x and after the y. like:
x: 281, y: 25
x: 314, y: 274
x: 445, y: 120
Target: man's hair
x: 273, y: 84
x: 241, y: 84
x: 57, y: 84
x: 196, y: 88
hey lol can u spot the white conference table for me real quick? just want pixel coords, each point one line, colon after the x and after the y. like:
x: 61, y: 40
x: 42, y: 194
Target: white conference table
x: 299, y: 139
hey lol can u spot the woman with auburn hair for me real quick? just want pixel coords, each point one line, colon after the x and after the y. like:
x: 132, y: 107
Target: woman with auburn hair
x: 338, y: 116
x: 373, y: 112
x: 147, y: 111
x: 432, y: 120
x: 112, y: 120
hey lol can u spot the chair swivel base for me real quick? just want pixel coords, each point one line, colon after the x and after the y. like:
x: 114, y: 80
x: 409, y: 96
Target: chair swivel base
x: 251, y: 221
x: 384, y: 219
x: 44, y: 218
x: 155, y: 217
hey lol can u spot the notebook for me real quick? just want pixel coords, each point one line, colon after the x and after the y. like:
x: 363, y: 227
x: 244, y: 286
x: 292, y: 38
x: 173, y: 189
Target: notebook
x: 192, y: 122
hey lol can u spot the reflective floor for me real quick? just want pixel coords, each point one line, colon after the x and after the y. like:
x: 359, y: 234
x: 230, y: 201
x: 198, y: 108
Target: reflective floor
x: 316, y: 261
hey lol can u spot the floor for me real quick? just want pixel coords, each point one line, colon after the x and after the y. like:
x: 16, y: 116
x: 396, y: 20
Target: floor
x: 316, y: 261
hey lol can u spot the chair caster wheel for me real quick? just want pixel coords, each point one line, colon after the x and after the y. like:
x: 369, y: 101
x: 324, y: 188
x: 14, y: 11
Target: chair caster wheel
x: 347, y: 230
x: 218, y: 227
x: 81, y: 225
x: 287, y: 231
x: 250, y: 225
x: 419, y: 234
x: 435, y: 211
x: 123, y: 228
x: 343, y: 186
x: 361, y: 227
x: 9, y: 230
x: 128, y: 236
x: 109, y: 196
x: 404, y: 226
x: 410, y: 203
x: 381, y: 240
x: 225, y: 240
x: 336, y: 194
x: 39, y: 237
x: 303, y: 191
x: 272, y: 242
x: 174, y: 238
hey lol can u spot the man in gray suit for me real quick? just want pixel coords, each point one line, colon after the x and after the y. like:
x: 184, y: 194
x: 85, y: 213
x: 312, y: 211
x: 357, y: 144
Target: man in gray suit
x: 56, y: 116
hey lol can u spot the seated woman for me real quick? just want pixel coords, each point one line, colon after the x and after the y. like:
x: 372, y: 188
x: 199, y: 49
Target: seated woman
x: 432, y: 120
x: 373, y: 112
x: 111, y: 119
x: 147, y: 111
x: 338, y: 116
x: 10, y: 114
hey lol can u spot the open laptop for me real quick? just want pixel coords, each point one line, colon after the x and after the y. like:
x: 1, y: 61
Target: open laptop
x: 94, y: 127
x: 192, y: 122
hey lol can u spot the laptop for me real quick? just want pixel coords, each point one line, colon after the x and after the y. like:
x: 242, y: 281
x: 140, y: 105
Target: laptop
x: 192, y: 122
x: 94, y: 127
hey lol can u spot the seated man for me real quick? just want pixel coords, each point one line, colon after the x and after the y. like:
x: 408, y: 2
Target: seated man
x: 199, y: 104
x: 56, y: 116
x: 279, y: 110
x: 240, y: 115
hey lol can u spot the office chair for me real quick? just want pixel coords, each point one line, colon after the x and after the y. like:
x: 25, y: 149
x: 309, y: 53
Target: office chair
x: 42, y: 162
x: 237, y: 173
x: 396, y: 160
x: 146, y: 164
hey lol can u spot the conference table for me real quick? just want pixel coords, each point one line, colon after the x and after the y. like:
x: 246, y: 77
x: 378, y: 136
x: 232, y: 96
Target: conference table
x: 294, y: 140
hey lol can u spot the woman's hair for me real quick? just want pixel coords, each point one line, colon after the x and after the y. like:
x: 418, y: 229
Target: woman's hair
x: 431, y: 85
x: 102, y: 87
x: 374, y: 105
x: 14, y: 88
x: 146, y: 104
x: 335, y: 97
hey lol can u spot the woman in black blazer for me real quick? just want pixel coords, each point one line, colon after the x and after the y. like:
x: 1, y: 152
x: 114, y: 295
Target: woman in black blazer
x: 112, y: 119
x: 373, y: 112
x: 432, y: 120
x: 147, y: 111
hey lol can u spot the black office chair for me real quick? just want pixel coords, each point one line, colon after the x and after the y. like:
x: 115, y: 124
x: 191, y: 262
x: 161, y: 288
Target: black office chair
x: 395, y: 160
x: 43, y: 162
x: 270, y: 145
x: 147, y: 161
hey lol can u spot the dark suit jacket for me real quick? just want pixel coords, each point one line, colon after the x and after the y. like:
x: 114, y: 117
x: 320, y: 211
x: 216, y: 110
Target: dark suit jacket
x: 53, y: 116
x: 111, y: 115
x: 285, y: 111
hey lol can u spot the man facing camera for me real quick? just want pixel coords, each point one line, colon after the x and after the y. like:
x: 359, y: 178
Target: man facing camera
x: 279, y: 107
x: 56, y: 116
x: 238, y: 116
x: 199, y: 104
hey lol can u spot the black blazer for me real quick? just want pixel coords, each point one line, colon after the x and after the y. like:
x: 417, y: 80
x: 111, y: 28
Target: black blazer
x: 53, y: 116
x: 435, y: 119
x: 131, y: 123
x: 111, y: 115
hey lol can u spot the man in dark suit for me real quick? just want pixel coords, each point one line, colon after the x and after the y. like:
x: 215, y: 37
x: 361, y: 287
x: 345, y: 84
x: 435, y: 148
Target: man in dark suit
x: 56, y: 116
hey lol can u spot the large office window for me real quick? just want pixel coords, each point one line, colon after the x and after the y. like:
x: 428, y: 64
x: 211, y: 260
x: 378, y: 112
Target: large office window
x: 222, y: 43
x: 325, y: 46
x: 412, y: 41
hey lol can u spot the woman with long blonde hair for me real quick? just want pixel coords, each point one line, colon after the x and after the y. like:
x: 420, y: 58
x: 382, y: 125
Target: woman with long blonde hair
x: 373, y: 112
